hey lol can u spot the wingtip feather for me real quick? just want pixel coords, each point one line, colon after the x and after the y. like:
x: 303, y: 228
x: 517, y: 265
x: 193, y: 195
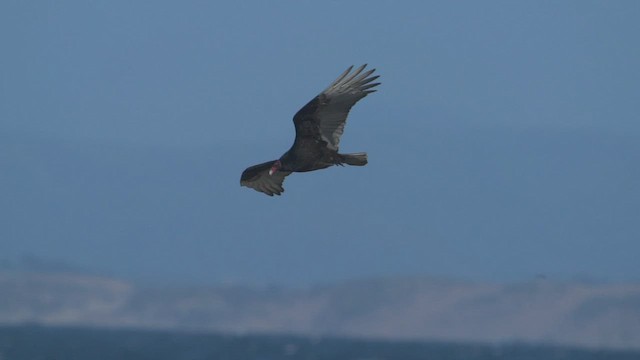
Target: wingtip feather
x: 354, y: 74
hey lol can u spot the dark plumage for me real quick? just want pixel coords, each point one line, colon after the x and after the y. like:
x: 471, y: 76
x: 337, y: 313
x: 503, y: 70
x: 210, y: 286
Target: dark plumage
x: 319, y: 126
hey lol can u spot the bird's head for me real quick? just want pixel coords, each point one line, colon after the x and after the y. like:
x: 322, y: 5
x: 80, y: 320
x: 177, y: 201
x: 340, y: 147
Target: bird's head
x: 275, y: 167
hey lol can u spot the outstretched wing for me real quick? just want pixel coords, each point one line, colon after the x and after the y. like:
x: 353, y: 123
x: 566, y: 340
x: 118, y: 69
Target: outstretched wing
x: 325, y: 115
x: 257, y: 177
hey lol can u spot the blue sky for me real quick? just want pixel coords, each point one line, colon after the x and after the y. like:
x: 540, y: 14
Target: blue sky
x: 503, y: 142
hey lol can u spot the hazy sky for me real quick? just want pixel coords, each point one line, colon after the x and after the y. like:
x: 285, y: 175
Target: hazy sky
x: 504, y: 141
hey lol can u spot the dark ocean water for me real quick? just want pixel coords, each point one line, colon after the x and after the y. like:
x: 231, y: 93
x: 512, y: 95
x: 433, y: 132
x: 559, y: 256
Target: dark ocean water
x: 32, y: 342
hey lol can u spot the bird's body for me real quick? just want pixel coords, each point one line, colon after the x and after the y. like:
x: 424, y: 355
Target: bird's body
x: 319, y: 125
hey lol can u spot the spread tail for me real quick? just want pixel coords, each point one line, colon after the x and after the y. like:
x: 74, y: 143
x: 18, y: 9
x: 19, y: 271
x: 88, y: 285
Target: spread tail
x: 355, y: 159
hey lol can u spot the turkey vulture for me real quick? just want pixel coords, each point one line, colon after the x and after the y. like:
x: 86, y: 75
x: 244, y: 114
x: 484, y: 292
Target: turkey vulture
x: 319, y: 125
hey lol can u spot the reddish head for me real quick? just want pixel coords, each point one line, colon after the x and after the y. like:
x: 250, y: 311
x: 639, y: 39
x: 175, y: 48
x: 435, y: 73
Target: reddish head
x: 276, y: 166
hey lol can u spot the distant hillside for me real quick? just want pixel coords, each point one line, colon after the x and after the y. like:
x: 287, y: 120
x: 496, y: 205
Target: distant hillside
x: 594, y: 315
x: 71, y: 343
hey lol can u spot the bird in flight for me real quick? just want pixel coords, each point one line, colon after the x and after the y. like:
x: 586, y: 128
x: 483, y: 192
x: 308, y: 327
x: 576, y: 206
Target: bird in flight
x: 319, y: 126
